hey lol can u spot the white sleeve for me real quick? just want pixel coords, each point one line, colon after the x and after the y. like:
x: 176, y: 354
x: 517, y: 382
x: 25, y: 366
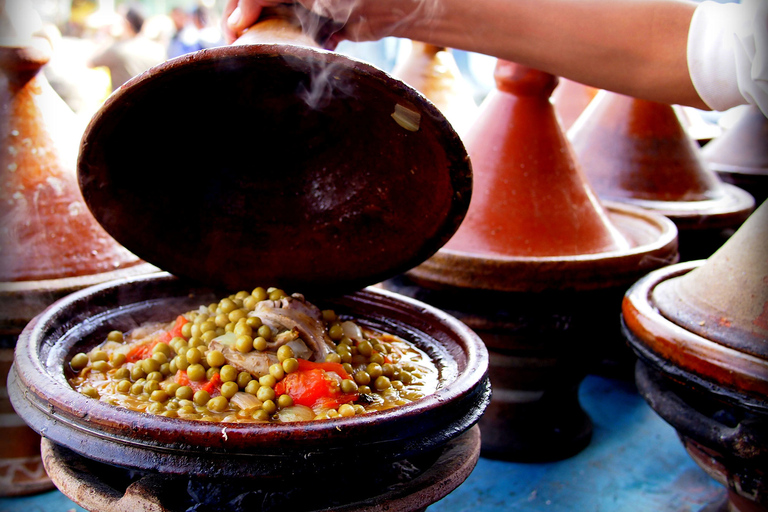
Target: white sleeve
x: 728, y: 53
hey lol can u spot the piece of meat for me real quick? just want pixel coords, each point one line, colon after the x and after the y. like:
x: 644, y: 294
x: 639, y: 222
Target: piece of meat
x: 255, y: 362
x: 296, y: 314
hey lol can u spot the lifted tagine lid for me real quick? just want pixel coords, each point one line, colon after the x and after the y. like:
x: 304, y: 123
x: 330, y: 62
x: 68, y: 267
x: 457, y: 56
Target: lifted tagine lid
x: 275, y: 163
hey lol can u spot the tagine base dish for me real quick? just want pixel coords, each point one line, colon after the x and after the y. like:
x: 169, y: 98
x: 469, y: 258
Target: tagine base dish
x: 412, y: 485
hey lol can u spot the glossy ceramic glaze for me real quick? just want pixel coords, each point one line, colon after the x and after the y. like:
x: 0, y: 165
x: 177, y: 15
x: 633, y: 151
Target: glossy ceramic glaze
x: 99, y: 431
x: 637, y: 151
x: 571, y: 99
x: 315, y: 173
x: 432, y: 70
x: 700, y: 329
x: 740, y: 155
x: 530, y: 197
x: 538, y: 266
x: 50, y: 244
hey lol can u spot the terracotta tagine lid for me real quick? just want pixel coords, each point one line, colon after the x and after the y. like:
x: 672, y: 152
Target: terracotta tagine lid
x: 532, y: 206
x: 50, y: 243
x: 740, y: 155
x: 331, y: 174
x: 636, y: 151
x: 432, y: 70
x: 708, y: 319
x: 571, y: 99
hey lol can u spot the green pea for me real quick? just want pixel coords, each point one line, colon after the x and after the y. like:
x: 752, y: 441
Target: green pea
x: 382, y: 383
x: 218, y: 404
x: 269, y: 407
x: 100, y: 366
x: 196, y: 372
x: 162, y: 348
x: 290, y: 365
x: 260, y: 415
x: 201, y: 397
x: 118, y: 359
x: 276, y: 370
x: 158, y: 395
x: 194, y: 355
x: 335, y: 332
x: 172, y: 388
x: 284, y: 401
x: 265, y: 393
x: 268, y: 380
x: 348, y: 386
x: 99, y: 355
x: 228, y: 389
x: 228, y: 373
x: 90, y: 392
x: 124, y: 386
x: 184, y: 393
x: 362, y: 377
x: 215, y: 358
x: 150, y: 365
x: 115, y: 336
x: 284, y: 352
x: 243, y: 378
x: 79, y: 361
x: 244, y: 343
x: 260, y: 343
x: 346, y: 411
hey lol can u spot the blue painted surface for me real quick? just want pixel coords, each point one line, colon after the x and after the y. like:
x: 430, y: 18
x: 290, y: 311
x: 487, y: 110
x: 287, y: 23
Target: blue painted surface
x: 635, y: 463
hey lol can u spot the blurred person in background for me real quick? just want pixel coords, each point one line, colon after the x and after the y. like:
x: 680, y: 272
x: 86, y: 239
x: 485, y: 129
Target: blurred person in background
x: 130, y: 52
x: 705, y: 55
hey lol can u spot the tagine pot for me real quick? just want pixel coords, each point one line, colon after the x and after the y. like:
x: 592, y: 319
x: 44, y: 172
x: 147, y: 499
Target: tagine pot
x: 740, y: 155
x: 538, y: 269
x: 432, y: 70
x: 302, y: 185
x: 571, y: 99
x: 50, y: 243
x: 637, y: 152
x: 701, y: 333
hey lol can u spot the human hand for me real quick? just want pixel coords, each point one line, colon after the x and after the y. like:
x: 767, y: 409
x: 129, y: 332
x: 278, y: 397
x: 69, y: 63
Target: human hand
x: 359, y: 20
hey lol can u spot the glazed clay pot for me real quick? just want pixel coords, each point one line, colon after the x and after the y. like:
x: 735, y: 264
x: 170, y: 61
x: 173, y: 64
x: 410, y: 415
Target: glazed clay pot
x: 740, y: 155
x: 433, y: 71
x: 700, y: 330
x: 538, y: 266
x: 637, y: 152
x: 571, y: 99
x: 50, y: 244
x: 302, y: 183
x: 251, y: 454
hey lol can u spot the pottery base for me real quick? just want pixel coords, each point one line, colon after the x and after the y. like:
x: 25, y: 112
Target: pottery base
x: 412, y: 486
x: 21, y: 468
x: 726, y: 440
x: 541, y: 346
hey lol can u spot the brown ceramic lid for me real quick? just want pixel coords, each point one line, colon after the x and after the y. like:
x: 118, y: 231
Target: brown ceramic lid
x: 530, y: 196
x: 637, y: 151
x: 274, y: 163
x: 709, y: 318
x: 48, y: 232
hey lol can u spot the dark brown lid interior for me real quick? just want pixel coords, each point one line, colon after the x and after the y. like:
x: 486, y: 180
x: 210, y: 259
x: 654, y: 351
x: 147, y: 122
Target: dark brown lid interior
x: 274, y: 165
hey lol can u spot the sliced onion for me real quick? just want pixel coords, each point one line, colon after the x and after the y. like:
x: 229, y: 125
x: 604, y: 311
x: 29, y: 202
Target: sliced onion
x: 296, y: 413
x: 228, y: 339
x: 245, y: 401
x: 352, y: 330
x: 300, y: 349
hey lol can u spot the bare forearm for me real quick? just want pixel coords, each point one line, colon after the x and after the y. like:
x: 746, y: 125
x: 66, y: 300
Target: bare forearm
x: 636, y: 47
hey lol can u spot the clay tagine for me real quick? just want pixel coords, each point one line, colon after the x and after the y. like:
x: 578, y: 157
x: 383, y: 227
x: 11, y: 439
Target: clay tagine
x: 571, y: 99
x: 701, y: 333
x: 537, y: 269
x: 302, y: 183
x: 50, y: 244
x: 740, y: 155
x: 637, y: 152
x: 432, y: 70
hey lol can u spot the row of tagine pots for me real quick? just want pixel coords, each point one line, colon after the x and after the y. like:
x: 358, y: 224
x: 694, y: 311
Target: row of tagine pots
x: 543, y: 270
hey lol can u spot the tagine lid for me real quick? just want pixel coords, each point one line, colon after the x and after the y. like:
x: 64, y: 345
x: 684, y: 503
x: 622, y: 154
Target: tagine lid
x: 707, y: 320
x: 274, y: 163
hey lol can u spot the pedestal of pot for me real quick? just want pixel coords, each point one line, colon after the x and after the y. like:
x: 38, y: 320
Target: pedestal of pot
x: 726, y: 439
x: 407, y: 487
x: 546, y: 322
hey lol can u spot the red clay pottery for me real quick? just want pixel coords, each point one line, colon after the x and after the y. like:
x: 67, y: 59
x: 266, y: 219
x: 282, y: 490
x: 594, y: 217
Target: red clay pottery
x: 538, y: 269
x: 701, y: 331
x: 50, y: 244
x: 433, y: 71
x: 637, y: 152
x: 740, y: 155
x: 300, y: 180
x: 570, y: 99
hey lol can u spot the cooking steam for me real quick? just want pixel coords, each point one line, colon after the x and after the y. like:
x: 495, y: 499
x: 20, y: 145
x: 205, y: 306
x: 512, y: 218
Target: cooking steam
x: 329, y: 16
